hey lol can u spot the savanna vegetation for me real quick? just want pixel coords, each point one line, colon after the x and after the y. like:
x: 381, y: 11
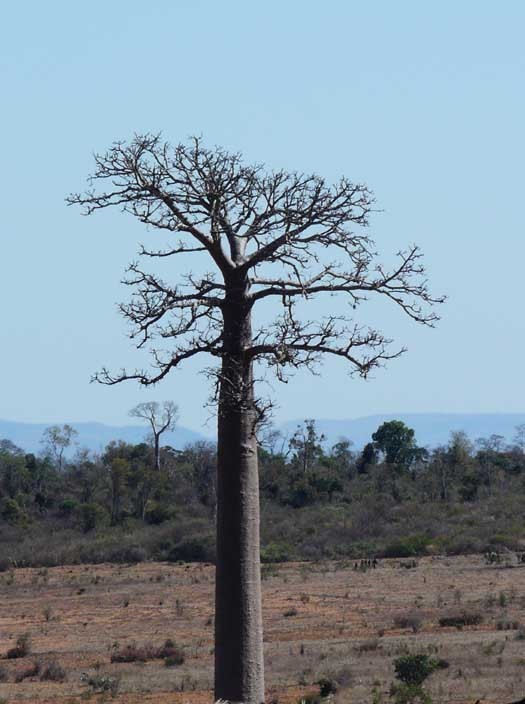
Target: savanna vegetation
x: 390, y: 499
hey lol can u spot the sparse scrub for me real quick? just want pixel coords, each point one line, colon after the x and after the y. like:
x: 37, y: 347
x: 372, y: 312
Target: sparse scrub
x: 290, y: 612
x: 53, y: 672
x: 144, y: 653
x: 102, y: 683
x: 327, y: 686
x: 28, y: 672
x: 368, y: 646
x: 22, y: 647
x: 411, y: 619
x: 461, y: 618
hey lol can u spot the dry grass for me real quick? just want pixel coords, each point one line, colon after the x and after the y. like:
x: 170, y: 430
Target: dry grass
x: 341, y: 624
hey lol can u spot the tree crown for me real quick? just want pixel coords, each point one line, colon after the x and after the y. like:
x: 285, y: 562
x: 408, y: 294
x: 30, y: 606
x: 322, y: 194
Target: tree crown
x: 277, y: 236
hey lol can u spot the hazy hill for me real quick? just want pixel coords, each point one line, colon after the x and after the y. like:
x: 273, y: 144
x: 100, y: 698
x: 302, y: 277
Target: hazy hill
x: 432, y: 429
x: 95, y: 436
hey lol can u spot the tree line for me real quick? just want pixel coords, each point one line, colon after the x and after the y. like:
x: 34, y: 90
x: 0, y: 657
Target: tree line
x: 131, y: 484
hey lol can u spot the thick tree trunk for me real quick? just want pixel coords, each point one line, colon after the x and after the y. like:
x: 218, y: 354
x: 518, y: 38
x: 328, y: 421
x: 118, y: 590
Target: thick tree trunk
x: 239, y: 667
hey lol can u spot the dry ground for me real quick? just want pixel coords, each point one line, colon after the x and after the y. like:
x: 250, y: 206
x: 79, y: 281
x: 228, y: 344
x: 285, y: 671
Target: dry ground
x: 320, y: 620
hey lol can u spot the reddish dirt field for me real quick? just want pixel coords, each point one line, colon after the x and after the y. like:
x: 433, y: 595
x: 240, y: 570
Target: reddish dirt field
x: 320, y: 620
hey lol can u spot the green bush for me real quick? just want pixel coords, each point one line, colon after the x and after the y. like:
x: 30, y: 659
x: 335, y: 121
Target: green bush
x: 414, y: 669
x: 11, y: 511
x: 67, y: 507
x: 198, y: 548
x: 412, y: 546
x: 156, y: 513
x: 91, y: 516
x: 276, y: 552
x: 327, y: 686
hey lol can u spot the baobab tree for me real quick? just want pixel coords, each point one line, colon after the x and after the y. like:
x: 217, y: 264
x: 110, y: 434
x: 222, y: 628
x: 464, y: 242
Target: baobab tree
x: 160, y: 417
x: 263, y: 236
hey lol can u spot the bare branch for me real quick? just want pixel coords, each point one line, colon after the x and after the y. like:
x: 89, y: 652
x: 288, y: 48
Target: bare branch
x: 274, y: 236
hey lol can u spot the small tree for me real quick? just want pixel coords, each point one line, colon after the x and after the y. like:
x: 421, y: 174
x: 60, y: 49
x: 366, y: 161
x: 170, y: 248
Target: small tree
x: 306, y: 445
x: 265, y: 237
x: 161, y: 417
x: 56, y: 440
x: 367, y: 458
x: 412, y: 671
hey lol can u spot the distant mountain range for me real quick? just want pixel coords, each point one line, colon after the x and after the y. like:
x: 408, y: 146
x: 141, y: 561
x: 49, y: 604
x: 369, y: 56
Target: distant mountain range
x: 431, y: 429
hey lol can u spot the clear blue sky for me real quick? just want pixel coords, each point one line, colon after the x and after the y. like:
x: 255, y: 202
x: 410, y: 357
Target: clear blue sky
x: 425, y: 102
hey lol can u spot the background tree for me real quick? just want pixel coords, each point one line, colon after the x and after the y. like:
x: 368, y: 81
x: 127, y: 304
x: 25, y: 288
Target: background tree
x: 267, y: 237
x: 519, y: 437
x: 56, y: 440
x: 342, y: 456
x: 367, y: 458
x: 397, y: 442
x: 306, y: 445
x: 202, y: 457
x: 161, y: 417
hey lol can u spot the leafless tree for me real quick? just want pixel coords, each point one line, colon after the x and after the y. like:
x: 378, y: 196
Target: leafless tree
x: 266, y: 236
x: 161, y: 417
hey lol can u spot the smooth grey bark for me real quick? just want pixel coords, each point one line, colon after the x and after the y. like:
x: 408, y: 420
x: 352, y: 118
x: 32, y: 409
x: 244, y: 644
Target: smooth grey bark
x: 239, y: 665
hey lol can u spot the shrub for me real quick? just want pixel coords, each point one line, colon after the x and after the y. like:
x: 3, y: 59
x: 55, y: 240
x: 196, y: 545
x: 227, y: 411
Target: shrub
x: 177, y: 658
x: 412, y: 546
x: 134, y: 653
x: 368, y: 646
x: 414, y: 669
x: 22, y: 647
x: 197, y: 548
x: 327, y: 686
x: 143, y: 653
x: 276, y: 552
x: 102, y: 683
x: 67, y: 507
x: 290, y: 612
x: 90, y: 516
x: 412, y: 620
x: 11, y: 511
x: 126, y: 554
x: 53, y: 672
x: 461, y: 618
x: 31, y: 671
x: 156, y: 513
x: 409, y: 694
x: 3, y: 674
x: 172, y: 654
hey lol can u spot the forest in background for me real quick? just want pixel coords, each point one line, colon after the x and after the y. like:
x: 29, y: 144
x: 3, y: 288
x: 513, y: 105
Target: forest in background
x: 390, y: 499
